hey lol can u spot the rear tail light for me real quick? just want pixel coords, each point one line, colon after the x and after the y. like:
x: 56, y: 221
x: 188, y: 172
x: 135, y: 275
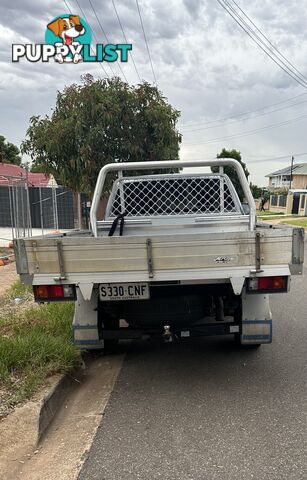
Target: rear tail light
x: 267, y: 284
x: 49, y: 293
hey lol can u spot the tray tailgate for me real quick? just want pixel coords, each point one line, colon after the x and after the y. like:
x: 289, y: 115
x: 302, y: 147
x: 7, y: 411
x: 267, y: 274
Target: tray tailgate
x: 129, y: 254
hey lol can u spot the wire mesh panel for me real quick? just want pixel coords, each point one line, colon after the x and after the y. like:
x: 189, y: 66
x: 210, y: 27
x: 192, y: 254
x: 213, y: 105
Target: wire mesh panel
x: 14, y: 205
x: 156, y: 195
x: 20, y: 211
x: 65, y: 208
x: 51, y: 208
x: 5, y: 211
x: 48, y: 208
x: 23, y: 208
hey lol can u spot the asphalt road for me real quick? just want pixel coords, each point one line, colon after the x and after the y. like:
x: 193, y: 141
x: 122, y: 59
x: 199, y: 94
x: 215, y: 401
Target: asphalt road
x: 203, y: 410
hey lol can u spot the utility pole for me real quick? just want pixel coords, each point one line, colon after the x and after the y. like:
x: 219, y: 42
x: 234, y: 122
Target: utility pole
x: 292, y: 159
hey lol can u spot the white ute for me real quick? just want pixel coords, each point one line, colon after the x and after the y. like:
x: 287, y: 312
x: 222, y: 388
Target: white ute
x: 177, y: 255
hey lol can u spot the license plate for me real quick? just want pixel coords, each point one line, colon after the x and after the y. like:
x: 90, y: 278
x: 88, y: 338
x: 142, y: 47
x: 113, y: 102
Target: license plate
x: 123, y: 291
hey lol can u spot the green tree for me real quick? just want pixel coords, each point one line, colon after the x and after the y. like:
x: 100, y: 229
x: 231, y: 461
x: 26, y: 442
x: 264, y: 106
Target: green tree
x: 35, y: 168
x: 9, y: 153
x: 256, y: 191
x: 230, y: 171
x: 98, y: 122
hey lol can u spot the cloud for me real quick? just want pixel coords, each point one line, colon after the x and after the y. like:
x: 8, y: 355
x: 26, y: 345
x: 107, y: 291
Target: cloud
x: 205, y: 64
x: 193, y: 7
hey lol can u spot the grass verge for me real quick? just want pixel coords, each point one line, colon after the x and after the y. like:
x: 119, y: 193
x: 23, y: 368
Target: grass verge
x: 35, y: 342
x: 298, y: 222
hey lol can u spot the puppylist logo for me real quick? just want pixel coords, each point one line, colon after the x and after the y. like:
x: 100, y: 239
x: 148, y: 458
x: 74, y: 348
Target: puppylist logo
x: 68, y: 40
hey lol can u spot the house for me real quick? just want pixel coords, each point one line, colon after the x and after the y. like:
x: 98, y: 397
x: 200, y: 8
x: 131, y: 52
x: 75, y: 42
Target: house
x: 281, y: 178
x: 41, y: 180
x: 10, y: 173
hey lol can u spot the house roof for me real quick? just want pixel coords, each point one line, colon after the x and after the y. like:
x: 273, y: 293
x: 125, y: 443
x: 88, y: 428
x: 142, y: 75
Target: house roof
x: 8, y: 169
x: 33, y: 179
x: 38, y: 179
x: 297, y: 169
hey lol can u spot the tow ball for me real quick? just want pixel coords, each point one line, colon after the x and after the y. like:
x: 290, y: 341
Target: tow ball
x: 167, y: 334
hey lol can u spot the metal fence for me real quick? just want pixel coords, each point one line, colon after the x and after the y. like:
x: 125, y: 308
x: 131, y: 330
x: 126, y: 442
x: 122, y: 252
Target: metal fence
x: 51, y: 208
x: 23, y: 208
x: 15, y: 206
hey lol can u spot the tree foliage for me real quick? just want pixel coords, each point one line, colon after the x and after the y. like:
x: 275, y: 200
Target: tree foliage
x: 256, y: 191
x: 98, y: 122
x: 230, y: 171
x: 9, y: 153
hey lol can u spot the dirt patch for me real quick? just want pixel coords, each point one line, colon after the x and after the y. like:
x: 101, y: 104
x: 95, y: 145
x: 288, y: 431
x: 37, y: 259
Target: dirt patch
x: 13, y: 310
x: 6, y: 251
x: 8, y: 276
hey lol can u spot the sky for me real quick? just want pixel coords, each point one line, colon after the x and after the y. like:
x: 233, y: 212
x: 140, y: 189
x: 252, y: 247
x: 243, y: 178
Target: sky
x: 205, y: 65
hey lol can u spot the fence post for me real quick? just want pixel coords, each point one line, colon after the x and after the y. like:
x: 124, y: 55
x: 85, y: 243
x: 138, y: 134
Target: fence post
x: 11, y: 209
x: 29, y: 222
x: 56, y: 210
x: 41, y: 209
x: 79, y: 211
x: 21, y: 188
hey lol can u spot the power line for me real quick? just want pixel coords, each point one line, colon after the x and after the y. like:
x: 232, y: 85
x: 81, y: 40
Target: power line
x: 94, y: 35
x: 299, y: 78
x: 265, y: 159
x: 123, y: 32
x: 261, y: 157
x: 149, y: 56
x: 277, y: 158
x: 102, y: 67
x: 270, y: 42
x: 250, y: 132
x: 187, y: 125
x: 249, y: 118
x: 106, y: 37
x: 287, y: 70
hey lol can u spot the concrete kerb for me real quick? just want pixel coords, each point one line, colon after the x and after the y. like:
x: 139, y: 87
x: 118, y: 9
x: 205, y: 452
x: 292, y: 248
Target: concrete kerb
x: 68, y: 439
x: 54, y: 399
x: 24, y: 428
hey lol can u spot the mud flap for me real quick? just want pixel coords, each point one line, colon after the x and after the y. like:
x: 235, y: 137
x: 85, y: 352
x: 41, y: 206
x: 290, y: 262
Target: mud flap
x: 85, y: 322
x: 256, y: 319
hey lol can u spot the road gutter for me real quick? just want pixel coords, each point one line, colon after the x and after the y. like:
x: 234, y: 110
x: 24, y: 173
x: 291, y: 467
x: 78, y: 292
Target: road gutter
x: 49, y: 436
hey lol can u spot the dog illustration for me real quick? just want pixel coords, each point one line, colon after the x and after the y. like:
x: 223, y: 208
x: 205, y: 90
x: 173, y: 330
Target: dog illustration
x: 68, y: 29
